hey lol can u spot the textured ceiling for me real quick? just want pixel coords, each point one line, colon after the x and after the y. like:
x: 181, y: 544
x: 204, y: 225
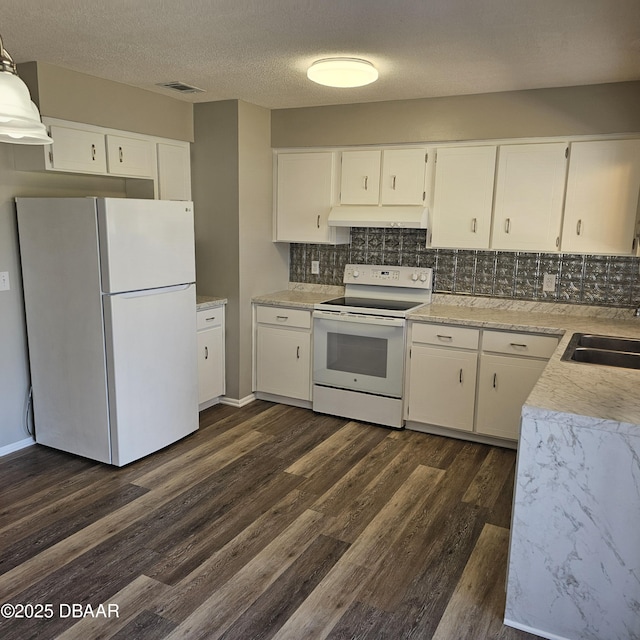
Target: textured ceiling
x: 258, y: 50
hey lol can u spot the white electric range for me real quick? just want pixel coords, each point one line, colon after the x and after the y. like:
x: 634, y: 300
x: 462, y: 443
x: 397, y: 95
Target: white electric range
x: 359, y: 342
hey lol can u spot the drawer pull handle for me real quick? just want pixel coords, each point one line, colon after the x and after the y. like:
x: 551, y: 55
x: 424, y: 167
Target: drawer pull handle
x: 474, y: 225
x: 120, y: 154
x: 366, y: 183
x: 579, y: 227
x: 460, y: 376
x: 393, y: 182
x: 282, y: 318
x: 318, y: 221
x: 210, y: 319
x: 495, y: 380
x: 93, y: 152
x: 298, y: 353
x: 518, y: 345
x: 206, y: 353
x: 442, y: 337
x: 507, y: 225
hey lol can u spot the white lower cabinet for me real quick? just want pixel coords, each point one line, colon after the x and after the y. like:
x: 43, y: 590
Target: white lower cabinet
x: 442, y: 386
x: 504, y: 382
x: 211, y: 360
x: 472, y: 380
x: 283, y: 352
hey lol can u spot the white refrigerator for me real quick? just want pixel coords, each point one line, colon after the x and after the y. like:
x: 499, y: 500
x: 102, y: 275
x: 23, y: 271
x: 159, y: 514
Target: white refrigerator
x: 111, y: 323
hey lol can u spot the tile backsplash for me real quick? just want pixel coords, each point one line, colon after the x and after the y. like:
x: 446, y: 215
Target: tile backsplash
x: 580, y: 279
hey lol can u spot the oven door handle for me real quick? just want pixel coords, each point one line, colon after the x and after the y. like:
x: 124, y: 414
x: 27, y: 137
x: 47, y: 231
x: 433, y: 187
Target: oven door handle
x: 359, y: 319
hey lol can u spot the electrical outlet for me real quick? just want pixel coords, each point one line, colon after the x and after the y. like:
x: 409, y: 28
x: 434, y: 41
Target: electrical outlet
x: 315, y: 267
x: 549, y: 282
x: 4, y: 281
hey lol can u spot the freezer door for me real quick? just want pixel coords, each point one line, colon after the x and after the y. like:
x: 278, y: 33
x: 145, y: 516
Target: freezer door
x: 151, y: 369
x: 145, y: 244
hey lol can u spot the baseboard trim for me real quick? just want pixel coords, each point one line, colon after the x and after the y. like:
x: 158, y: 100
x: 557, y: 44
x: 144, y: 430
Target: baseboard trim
x: 535, y: 632
x: 16, y: 446
x: 238, y: 403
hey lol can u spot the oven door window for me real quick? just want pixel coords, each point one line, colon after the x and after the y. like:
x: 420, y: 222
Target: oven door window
x: 357, y: 354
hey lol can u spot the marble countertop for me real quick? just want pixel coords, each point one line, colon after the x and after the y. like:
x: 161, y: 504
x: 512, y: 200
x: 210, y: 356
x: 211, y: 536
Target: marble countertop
x: 605, y: 397
x: 299, y: 298
x: 209, y: 302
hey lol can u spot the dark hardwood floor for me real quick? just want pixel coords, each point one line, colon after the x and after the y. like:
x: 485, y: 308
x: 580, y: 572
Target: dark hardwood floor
x: 269, y: 522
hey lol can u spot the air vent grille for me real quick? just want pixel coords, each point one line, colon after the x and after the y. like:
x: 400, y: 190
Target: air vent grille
x: 176, y: 85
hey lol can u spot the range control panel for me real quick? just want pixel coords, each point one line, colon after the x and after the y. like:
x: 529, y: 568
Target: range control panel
x: 384, y: 275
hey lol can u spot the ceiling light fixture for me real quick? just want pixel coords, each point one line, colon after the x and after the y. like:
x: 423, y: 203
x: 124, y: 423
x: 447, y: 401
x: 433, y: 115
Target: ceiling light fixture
x: 19, y: 117
x: 342, y: 72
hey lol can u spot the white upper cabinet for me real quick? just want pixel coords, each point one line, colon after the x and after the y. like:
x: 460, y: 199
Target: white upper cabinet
x: 76, y: 151
x: 131, y: 157
x: 360, y: 177
x: 463, y: 197
x: 304, y: 195
x: 174, y: 171
x: 529, y: 196
x: 602, y: 197
x: 389, y: 177
x: 403, y: 176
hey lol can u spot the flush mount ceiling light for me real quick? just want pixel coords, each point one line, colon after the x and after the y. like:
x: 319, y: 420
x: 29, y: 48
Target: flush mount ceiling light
x: 342, y: 72
x: 19, y: 117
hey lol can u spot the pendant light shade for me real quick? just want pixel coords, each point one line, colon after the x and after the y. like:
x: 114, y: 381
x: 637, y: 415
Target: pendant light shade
x: 19, y: 117
x: 342, y: 72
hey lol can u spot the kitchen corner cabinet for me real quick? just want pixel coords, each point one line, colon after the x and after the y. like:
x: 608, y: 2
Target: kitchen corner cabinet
x: 305, y: 192
x: 386, y: 177
x: 282, y: 356
x: 463, y: 197
x: 174, y: 171
x: 529, y: 196
x: 472, y: 381
x: 602, y: 197
x: 211, y: 355
x: 442, y: 376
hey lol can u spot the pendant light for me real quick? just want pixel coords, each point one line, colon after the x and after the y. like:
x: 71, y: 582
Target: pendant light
x: 19, y: 117
x: 342, y: 72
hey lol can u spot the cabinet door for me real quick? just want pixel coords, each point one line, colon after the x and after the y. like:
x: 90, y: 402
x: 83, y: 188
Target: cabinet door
x: 304, y: 197
x: 442, y: 386
x: 463, y: 197
x: 210, y: 364
x: 403, y: 175
x: 283, y: 362
x: 174, y: 171
x: 504, y: 382
x: 529, y: 196
x: 360, y: 177
x: 77, y: 150
x: 131, y: 157
x: 602, y: 197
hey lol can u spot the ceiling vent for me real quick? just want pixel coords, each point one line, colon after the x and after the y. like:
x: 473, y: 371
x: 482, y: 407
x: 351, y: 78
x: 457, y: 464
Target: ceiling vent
x: 180, y: 87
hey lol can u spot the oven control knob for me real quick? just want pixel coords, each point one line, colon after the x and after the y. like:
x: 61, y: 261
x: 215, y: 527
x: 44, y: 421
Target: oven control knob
x: 356, y: 273
x: 423, y: 277
x: 414, y: 276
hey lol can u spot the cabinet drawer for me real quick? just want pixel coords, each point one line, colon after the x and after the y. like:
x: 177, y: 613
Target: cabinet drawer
x: 446, y: 335
x: 521, y: 344
x: 209, y: 318
x: 284, y: 316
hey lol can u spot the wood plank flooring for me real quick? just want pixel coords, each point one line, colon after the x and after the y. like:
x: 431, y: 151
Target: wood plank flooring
x: 269, y: 522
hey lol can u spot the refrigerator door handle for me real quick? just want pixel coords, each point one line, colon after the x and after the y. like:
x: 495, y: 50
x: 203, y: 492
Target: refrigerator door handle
x: 151, y: 292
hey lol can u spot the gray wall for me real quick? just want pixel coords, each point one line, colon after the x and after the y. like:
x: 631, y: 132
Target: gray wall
x: 564, y: 111
x: 232, y: 192
x: 70, y: 95
x: 14, y: 368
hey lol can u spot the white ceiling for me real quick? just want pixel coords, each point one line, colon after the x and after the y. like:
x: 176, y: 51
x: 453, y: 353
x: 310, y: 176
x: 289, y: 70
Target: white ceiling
x: 258, y: 50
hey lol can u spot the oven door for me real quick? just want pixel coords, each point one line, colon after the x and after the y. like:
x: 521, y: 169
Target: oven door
x: 358, y: 352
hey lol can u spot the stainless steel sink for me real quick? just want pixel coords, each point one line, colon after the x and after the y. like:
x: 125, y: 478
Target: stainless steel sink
x: 610, y: 351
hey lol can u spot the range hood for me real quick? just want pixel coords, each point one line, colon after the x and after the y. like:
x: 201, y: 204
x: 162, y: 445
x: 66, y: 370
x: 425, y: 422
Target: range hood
x: 407, y: 217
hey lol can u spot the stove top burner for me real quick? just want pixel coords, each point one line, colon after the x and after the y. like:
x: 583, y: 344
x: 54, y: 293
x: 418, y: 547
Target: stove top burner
x: 372, y: 303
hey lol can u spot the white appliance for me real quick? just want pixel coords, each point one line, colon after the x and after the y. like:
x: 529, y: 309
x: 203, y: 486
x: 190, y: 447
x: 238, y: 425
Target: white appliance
x: 111, y: 321
x: 359, y: 342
